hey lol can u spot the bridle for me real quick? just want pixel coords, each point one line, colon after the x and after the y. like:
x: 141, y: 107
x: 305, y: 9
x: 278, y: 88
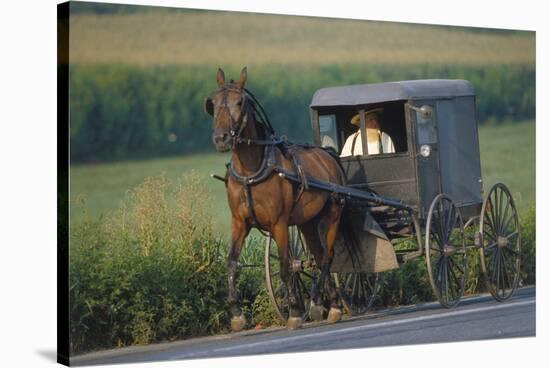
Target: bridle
x: 237, y: 126
x: 248, y: 100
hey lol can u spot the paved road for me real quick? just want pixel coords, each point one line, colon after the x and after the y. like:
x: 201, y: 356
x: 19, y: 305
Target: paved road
x: 476, y: 318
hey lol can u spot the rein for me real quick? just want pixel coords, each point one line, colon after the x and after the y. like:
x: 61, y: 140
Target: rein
x: 268, y: 164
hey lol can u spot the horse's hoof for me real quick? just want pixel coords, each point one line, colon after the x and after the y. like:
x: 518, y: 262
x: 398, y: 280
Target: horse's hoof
x: 316, y: 312
x: 294, y: 323
x: 334, y: 315
x: 238, y: 323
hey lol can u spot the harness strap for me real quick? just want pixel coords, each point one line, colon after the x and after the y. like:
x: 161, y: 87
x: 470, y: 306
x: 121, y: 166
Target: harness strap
x: 300, y: 171
x: 267, y: 167
x: 261, y: 142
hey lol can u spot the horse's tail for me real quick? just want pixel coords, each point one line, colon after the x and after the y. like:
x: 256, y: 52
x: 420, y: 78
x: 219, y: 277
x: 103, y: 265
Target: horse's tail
x: 347, y: 230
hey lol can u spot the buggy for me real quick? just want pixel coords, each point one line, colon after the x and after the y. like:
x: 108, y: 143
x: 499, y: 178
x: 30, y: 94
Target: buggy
x: 423, y: 199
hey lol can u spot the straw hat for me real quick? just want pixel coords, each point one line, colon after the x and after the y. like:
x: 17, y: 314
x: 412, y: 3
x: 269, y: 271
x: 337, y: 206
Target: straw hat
x: 376, y: 112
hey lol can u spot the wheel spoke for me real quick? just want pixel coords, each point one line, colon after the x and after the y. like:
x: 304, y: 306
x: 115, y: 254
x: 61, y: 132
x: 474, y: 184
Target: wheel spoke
x: 437, y: 267
x: 446, y: 278
x: 492, y: 214
x: 448, y: 219
x: 489, y: 232
x: 498, y: 270
x: 508, y: 222
x: 505, y: 215
x: 502, y: 273
x: 437, y: 239
x: 439, y: 278
x: 354, y: 289
x: 499, y: 209
x: 490, y: 246
x: 348, y: 281
x: 492, y: 262
x: 366, y: 293
x: 514, y: 252
x: 453, y: 226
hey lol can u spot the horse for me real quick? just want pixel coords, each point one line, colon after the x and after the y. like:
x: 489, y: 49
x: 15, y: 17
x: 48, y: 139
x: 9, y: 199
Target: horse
x: 260, y: 198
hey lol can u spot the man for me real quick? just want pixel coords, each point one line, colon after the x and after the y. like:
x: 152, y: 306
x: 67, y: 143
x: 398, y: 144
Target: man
x: 377, y: 141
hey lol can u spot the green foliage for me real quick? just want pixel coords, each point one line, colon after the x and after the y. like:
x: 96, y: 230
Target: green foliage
x: 528, y: 246
x: 128, y: 112
x: 151, y: 271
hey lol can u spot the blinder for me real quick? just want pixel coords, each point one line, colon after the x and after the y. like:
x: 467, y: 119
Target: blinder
x: 209, y: 106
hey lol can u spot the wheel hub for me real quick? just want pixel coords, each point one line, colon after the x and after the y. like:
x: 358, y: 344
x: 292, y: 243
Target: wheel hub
x: 297, y: 265
x: 502, y: 242
x: 448, y: 250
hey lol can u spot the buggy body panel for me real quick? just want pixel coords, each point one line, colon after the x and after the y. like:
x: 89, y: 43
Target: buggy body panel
x: 453, y: 166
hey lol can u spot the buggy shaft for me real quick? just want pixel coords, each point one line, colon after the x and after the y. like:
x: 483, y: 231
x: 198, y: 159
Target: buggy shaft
x: 344, y: 191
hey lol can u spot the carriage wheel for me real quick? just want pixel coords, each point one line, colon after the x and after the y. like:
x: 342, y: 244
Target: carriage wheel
x: 445, y: 251
x: 357, y: 290
x: 500, y: 254
x: 303, y: 273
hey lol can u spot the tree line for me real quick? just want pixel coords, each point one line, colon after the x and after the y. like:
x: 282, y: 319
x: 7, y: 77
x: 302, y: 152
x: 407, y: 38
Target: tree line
x: 121, y: 112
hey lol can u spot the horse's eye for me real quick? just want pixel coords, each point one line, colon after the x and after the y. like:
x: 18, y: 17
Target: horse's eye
x: 239, y: 103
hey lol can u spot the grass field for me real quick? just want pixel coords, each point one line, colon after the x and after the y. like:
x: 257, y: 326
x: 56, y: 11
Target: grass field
x: 507, y: 155
x: 162, y: 37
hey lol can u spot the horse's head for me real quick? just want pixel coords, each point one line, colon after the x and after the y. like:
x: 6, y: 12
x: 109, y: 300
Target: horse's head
x: 229, y: 108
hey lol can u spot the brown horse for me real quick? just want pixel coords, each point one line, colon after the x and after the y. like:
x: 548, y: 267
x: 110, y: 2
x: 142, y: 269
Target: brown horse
x: 258, y: 197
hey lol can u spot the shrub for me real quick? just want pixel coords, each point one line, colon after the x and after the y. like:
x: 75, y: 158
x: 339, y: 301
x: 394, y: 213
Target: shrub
x: 151, y: 271
x: 528, y: 246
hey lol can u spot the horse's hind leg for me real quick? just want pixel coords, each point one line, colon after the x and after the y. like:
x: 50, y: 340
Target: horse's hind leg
x: 331, y: 222
x: 310, y: 231
x: 239, y: 231
x: 280, y: 234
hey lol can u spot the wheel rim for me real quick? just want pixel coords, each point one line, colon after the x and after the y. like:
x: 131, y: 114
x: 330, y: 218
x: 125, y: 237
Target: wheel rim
x: 445, y: 251
x: 301, y: 277
x: 357, y: 290
x: 500, y: 233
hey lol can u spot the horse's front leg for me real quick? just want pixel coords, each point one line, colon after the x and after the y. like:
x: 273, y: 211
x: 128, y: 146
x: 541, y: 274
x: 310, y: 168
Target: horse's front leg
x: 239, y: 231
x: 280, y: 234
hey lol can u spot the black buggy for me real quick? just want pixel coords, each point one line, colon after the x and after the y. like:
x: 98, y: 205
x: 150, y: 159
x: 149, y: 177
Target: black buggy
x: 424, y: 199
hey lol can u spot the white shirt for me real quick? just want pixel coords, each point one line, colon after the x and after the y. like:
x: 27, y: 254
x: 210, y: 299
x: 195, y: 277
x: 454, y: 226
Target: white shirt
x: 376, y: 140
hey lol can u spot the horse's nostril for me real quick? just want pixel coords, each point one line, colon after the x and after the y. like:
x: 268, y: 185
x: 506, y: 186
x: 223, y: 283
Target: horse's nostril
x: 221, y: 138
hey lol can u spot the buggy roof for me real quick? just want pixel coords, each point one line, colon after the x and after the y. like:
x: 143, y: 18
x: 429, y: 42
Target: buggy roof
x: 362, y: 94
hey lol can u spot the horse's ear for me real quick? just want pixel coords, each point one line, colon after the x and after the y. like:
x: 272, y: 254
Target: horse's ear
x: 242, y: 79
x: 220, y: 77
x: 209, y: 106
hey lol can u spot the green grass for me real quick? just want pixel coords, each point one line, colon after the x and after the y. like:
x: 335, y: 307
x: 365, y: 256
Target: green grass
x: 99, y: 189
x: 507, y: 155
x: 166, y: 37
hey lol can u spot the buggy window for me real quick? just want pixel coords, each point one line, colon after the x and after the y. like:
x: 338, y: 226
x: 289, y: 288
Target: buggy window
x: 391, y: 131
x: 327, y: 129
